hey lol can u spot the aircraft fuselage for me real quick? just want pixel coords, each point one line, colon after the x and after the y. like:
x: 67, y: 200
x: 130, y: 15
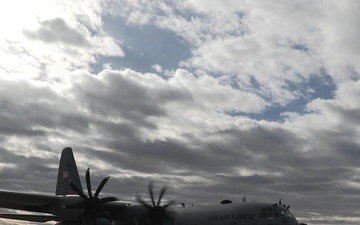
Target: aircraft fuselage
x: 235, y: 214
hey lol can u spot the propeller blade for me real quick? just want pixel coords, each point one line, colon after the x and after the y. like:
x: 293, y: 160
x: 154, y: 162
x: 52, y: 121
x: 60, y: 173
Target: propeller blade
x: 108, y: 199
x: 162, y: 192
x: 102, y: 184
x: 151, y: 193
x: 78, y: 191
x: 92, y: 204
x: 156, y: 212
x: 88, y: 182
x: 138, y: 199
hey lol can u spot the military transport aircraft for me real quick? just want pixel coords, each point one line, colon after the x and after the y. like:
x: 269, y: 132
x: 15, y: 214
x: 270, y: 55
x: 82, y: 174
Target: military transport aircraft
x: 71, y: 206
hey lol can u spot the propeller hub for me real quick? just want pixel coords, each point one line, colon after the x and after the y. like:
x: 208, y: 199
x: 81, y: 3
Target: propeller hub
x: 92, y: 203
x: 156, y: 212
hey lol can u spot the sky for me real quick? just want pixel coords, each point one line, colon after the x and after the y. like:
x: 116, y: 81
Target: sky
x: 214, y: 99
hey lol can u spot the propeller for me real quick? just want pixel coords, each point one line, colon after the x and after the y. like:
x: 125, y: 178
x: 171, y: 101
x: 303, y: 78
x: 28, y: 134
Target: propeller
x: 156, y: 212
x: 92, y: 203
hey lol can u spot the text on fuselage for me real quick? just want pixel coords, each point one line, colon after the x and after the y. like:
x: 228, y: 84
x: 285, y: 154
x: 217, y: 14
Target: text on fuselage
x: 223, y: 217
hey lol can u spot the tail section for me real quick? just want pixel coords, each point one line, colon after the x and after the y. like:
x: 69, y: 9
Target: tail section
x: 67, y: 172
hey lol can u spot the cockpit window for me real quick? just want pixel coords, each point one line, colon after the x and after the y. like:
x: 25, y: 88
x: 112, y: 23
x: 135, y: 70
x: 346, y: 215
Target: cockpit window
x: 269, y: 213
x: 285, y: 213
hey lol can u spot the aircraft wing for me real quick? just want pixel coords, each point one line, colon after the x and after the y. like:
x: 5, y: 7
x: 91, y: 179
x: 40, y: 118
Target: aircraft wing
x: 27, y: 201
x: 27, y: 217
x: 43, y: 204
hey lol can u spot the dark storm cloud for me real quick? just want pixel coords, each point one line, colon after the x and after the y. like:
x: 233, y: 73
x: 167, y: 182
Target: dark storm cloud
x: 19, y: 114
x: 56, y: 30
x: 259, y: 149
x: 153, y: 157
x: 165, y: 158
x: 285, y: 170
x: 265, y: 147
x: 338, y: 145
x: 116, y: 95
x: 222, y: 159
x: 27, y: 173
x: 28, y: 110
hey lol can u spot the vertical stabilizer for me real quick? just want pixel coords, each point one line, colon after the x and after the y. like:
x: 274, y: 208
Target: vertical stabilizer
x: 67, y: 172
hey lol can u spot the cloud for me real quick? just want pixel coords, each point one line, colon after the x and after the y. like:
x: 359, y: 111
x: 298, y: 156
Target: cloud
x: 57, y: 30
x: 157, y: 68
x: 203, y: 126
x: 256, y: 43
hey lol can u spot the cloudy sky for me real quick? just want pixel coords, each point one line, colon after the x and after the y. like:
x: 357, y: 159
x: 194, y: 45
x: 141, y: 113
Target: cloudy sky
x: 215, y: 99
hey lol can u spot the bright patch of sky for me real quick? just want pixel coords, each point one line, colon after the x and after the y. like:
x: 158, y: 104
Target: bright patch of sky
x: 144, y: 46
x: 316, y: 87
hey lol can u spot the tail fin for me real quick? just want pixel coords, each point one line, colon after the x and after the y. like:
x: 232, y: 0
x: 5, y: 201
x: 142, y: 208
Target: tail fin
x: 67, y: 172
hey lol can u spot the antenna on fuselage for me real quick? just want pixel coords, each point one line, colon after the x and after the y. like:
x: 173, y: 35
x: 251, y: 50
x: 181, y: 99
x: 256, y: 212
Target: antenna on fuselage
x: 285, y: 206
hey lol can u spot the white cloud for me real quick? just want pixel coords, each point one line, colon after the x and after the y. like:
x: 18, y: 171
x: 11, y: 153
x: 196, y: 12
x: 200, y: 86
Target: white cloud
x: 341, y: 38
x: 47, y: 43
x: 157, y: 68
x: 209, y: 92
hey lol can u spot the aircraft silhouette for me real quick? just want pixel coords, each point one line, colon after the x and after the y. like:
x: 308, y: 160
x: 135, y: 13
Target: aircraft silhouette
x: 71, y: 206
